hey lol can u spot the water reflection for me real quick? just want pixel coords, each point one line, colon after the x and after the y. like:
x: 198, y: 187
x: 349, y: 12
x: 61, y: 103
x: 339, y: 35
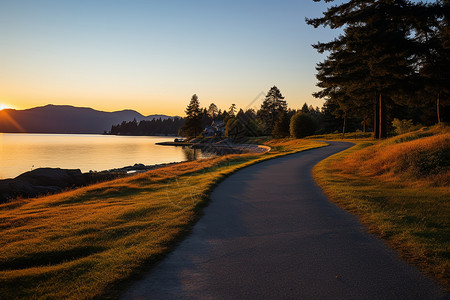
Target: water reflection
x: 22, y: 152
x: 199, y: 152
x: 191, y: 154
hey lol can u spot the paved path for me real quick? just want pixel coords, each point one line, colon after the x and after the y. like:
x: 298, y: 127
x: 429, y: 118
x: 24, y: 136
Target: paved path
x: 270, y: 233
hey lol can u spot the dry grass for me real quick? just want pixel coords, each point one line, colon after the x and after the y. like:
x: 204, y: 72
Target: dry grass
x: 84, y: 243
x: 424, y: 161
x: 399, y: 188
x: 338, y: 136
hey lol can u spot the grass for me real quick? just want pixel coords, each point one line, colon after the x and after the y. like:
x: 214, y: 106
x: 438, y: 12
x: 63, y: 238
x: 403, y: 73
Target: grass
x: 86, y: 243
x: 338, y: 136
x: 400, y: 189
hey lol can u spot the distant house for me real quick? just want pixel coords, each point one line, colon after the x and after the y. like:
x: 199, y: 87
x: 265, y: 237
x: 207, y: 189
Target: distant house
x: 217, y: 128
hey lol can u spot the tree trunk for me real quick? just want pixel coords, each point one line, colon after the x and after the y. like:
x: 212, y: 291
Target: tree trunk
x: 376, y: 120
x: 343, y: 126
x: 364, y: 124
x: 380, y: 115
x: 381, y: 118
x: 438, y: 108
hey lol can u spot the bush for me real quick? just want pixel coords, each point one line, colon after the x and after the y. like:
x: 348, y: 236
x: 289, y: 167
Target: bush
x: 404, y: 126
x: 302, y: 124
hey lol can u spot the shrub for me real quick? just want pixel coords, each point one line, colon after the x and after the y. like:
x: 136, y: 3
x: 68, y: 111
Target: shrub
x: 302, y: 124
x: 404, y: 126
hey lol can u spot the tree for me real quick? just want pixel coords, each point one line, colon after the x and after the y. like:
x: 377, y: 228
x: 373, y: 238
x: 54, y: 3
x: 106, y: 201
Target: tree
x: 302, y: 125
x: 305, y: 108
x: 234, y: 129
x: 432, y: 36
x: 192, y: 126
x: 272, y: 106
x: 281, y: 128
x: 232, y: 110
x: 372, y: 60
x: 213, y: 111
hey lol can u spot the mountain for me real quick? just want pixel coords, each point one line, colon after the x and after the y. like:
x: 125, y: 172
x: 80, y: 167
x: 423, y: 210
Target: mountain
x: 66, y: 119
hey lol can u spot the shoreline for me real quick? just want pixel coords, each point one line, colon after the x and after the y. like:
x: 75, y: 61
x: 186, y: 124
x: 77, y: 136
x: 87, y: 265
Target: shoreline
x: 250, y: 148
x: 49, y: 181
x: 45, y: 181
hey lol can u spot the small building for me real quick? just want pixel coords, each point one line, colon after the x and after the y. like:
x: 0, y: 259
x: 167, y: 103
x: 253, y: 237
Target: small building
x: 217, y: 128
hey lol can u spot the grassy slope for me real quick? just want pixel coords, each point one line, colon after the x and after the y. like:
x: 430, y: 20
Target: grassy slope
x: 400, y: 189
x: 82, y: 243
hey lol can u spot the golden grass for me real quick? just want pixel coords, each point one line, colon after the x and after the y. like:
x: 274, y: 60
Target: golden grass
x: 406, y: 206
x: 423, y: 161
x: 338, y: 136
x: 85, y: 243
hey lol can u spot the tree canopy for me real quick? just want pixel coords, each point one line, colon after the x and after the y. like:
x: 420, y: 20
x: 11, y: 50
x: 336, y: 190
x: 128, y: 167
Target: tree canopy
x: 271, y: 108
x: 193, y: 121
x: 376, y: 61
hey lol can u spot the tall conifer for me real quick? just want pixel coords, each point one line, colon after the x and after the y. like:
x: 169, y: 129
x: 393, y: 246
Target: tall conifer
x: 372, y: 57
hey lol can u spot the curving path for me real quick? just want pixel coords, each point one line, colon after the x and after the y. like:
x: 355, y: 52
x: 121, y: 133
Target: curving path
x: 270, y: 233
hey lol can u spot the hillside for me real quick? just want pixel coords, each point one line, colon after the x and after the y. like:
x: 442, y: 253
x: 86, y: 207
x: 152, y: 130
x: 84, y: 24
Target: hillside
x: 65, y: 119
x: 418, y: 158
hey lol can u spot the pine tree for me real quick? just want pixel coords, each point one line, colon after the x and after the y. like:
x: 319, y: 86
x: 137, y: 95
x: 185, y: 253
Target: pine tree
x: 372, y: 59
x: 232, y: 110
x: 281, y: 128
x: 305, y: 108
x: 213, y: 111
x: 432, y: 37
x: 272, y: 106
x: 192, y: 126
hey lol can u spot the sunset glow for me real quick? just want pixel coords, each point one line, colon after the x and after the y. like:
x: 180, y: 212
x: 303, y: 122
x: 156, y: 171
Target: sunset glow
x: 152, y: 57
x: 4, y: 106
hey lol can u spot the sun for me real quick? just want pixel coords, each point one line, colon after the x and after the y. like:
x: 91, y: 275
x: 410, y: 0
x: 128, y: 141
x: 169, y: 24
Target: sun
x: 4, y: 106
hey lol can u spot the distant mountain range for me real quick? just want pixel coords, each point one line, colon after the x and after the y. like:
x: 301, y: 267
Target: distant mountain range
x: 66, y: 119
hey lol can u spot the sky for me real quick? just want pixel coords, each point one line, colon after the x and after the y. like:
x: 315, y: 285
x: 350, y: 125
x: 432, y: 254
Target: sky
x: 152, y: 56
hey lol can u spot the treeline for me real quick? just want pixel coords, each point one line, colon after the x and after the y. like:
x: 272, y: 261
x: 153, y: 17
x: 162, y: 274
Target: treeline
x: 169, y: 126
x: 274, y: 118
x: 392, y: 60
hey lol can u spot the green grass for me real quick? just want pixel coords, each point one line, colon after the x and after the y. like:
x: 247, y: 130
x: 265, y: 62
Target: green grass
x: 88, y: 242
x: 411, y: 213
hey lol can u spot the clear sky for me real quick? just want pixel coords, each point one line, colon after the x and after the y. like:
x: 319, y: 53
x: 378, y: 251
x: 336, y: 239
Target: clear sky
x: 152, y: 56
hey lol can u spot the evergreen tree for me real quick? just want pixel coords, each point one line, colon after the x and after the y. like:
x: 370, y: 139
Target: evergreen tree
x: 232, y: 110
x: 235, y: 130
x: 371, y: 61
x: 281, y: 128
x: 213, y: 111
x: 305, y: 108
x: 432, y: 37
x: 193, y: 125
x: 272, y: 106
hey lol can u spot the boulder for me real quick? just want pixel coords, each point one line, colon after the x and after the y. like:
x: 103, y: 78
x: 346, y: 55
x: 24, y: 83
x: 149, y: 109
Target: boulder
x: 62, y: 178
x: 41, y: 181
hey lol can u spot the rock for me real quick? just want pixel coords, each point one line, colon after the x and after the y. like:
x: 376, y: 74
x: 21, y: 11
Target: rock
x: 53, y: 177
x: 41, y: 181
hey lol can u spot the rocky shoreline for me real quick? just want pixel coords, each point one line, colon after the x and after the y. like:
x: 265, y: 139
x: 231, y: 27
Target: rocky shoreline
x: 45, y: 181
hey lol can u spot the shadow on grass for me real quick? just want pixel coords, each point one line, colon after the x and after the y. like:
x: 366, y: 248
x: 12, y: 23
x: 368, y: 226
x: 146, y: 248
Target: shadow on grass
x: 48, y: 258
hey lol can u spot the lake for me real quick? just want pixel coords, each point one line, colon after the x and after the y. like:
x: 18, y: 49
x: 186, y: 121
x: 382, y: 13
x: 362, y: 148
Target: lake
x: 21, y: 152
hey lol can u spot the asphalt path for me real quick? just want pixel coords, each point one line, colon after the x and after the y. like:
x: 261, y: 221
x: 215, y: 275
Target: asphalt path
x: 270, y: 233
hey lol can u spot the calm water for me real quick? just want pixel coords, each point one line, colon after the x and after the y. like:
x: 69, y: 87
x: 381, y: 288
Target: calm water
x: 22, y: 152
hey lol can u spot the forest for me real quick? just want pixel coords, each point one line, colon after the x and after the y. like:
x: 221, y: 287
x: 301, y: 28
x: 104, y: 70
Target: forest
x: 169, y: 126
